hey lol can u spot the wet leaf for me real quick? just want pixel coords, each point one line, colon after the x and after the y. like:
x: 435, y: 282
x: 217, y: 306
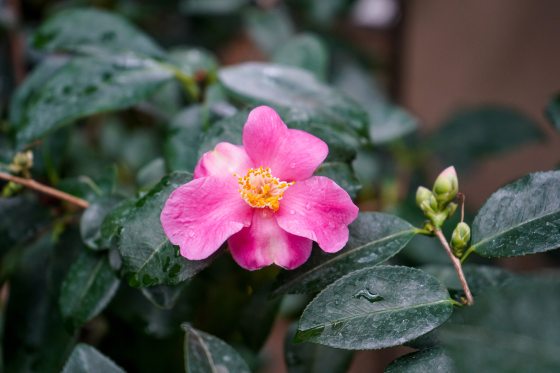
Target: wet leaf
x: 87, y: 289
x: 374, y: 238
x: 520, y: 218
x: 269, y: 28
x: 93, y: 217
x: 206, y: 353
x: 375, y: 307
x: 87, y: 86
x: 183, y: 140
x: 163, y: 296
x: 86, y: 359
x: 93, y: 31
x: 148, y: 257
x: 342, y: 174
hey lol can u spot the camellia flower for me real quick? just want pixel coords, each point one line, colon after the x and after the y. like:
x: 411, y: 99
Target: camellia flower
x: 262, y: 198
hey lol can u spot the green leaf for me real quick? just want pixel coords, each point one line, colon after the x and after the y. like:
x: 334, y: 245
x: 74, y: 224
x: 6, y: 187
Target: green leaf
x: 151, y: 174
x: 206, y: 353
x: 269, y: 28
x: 227, y: 129
x: 374, y: 238
x: 183, y: 140
x: 387, y: 122
x: 92, y: 218
x: 87, y: 86
x: 91, y: 31
x: 511, y: 329
x: 431, y: 360
x: 305, y: 51
x: 34, y: 81
x: 87, y: 289
x: 148, y: 257
x: 314, y: 358
x: 342, y: 174
x: 212, y: 7
x: 113, y: 222
x: 294, y: 89
x: 86, y: 359
x: 375, y: 307
x: 476, y: 134
x: 520, y: 218
x: 553, y: 112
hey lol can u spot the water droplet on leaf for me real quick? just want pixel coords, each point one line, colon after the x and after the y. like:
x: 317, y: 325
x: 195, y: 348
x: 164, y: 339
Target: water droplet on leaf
x: 368, y: 295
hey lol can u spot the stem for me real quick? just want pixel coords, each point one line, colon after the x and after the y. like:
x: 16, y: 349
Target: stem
x: 469, y: 251
x: 461, y: 198
x: 32, y: 184
x: 457, y: 264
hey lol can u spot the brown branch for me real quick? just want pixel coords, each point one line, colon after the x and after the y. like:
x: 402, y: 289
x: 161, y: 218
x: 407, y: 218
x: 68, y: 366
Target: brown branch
x: 457, y: 264
x: 32, y: 184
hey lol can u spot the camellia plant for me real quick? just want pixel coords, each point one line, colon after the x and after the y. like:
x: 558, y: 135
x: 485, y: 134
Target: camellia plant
x: 160, y: 212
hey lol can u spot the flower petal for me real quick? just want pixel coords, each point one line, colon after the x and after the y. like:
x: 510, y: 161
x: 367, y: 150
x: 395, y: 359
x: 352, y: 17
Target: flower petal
x: 201, y: 215
x: 225, y: 159
x: 290, y: 154
x: 318, y: 209
x: 265, y: 243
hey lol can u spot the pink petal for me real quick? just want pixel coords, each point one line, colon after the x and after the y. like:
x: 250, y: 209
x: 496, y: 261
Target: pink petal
x: 201, y: 215
x: 265, y: 243
x: 290, y: 154
x: 225, y: 159
x: 318, y: 209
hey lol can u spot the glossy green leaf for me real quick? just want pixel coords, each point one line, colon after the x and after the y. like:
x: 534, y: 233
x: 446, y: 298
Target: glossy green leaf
x: 390, y: 122
x: 374, y: 238
x: 86, y: 359
x: 183, y: 140
x: 87, y: 86
x: 193, y: 60
x: 314, y: 358
x: 113, y: 222
x: 305, y: 51
x: 87, y: 289
x: 476, y: 134
x: 342, y: 174
x: 206, y: 353
x: 151, y: 173
x: 294, y: 89
x: 375, y: 307
x: 510, y: 329
x: 269, y: 28
x: 520, y: 218
x: 553, y: 111
x: 212, y: 7
x: 93, y: 217
x: 431, y: 360
x: 148, y: 257
x: 92, y: 31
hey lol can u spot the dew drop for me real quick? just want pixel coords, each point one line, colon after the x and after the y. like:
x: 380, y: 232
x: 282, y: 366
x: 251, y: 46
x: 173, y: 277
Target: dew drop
x: 368, y: 295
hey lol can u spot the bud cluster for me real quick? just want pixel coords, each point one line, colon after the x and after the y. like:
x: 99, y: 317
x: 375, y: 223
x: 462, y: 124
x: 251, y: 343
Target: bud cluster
x: 22, y: 163
x: 460, y: 239
x: 437, y: 204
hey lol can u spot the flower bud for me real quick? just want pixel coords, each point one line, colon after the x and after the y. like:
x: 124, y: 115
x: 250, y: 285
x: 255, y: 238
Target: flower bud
x: 446, y: 186
x: 422, y: 194
x: 461, y: 236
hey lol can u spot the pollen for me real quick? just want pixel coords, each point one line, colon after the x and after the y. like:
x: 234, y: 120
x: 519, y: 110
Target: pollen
x: 260, y: 189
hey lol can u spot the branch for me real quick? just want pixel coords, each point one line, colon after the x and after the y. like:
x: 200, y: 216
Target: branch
x: 457, y: 264
x: 32, y: 184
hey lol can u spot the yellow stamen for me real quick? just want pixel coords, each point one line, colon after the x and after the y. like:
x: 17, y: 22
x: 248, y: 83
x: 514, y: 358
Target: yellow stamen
x: 260, y: 189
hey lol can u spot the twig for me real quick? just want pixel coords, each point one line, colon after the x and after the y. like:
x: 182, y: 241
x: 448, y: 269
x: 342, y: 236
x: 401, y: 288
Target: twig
x: 32, y: 184
x: 457, y: 264
x: 461, y: 198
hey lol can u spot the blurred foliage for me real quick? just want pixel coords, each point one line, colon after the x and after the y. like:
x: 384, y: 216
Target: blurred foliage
x: 120, y: 100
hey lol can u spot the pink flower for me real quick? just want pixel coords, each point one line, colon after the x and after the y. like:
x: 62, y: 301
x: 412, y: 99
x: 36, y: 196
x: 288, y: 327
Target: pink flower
x: 262, y: 198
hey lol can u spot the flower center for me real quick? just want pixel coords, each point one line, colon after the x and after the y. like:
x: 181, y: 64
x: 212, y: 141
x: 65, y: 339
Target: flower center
x: 260, y: 189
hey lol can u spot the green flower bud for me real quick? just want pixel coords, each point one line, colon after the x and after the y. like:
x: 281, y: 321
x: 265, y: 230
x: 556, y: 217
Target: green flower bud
x: 422, y: 194
x: 461, y: 236
x: 446, y: 186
